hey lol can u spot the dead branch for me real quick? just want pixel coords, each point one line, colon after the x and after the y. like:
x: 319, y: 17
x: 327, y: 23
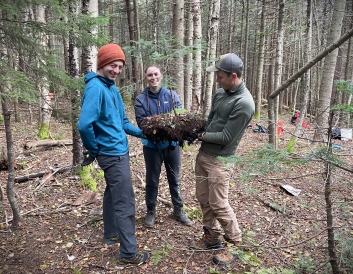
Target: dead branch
x: 39, y: 143
x: 40, y: 174
x: 59, y: 170
x: 29, y: 176
x: 273, y: 207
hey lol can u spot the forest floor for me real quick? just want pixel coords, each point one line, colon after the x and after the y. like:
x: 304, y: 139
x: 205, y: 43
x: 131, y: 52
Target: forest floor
x: 281, y: 232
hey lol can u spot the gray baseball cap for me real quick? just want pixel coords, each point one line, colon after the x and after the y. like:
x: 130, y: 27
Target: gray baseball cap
x: 229, y: 62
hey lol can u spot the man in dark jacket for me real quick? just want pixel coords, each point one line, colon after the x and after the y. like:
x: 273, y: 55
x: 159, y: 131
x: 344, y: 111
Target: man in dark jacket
x: 231, y: 112
x: 155, y: 100
x: 103, y: 126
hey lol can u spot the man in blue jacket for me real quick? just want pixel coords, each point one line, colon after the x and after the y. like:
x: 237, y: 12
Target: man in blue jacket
x: 103, y: 126
x: 155, y: 100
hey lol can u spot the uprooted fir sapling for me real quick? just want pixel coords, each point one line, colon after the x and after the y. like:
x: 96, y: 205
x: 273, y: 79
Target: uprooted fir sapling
x: 173, y: 127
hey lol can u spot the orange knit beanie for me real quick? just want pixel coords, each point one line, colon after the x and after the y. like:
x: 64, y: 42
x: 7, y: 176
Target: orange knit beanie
x: 110, y: 53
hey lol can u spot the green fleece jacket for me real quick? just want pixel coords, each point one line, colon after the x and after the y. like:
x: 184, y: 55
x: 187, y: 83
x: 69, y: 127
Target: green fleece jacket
x: 231, y: 113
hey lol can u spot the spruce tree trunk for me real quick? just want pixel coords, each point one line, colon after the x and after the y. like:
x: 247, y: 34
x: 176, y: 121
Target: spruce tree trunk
x: 11, y: 158
x: 134, y: 67
x: 213, y: 23
x: 188, y: 58
x: 329, y: 211
x: 261, y: 62
x: 306, y: 90
x: 77, y: 153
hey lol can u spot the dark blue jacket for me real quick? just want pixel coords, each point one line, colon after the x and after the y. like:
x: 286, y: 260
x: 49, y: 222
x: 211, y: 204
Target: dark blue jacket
x: 148, y: 103
x: 103, y: 123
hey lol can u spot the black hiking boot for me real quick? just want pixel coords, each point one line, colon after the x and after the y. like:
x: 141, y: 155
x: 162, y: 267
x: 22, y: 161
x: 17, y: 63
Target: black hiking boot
x: 150, y: 217
x: 180, y: 216
x: 138, y: 258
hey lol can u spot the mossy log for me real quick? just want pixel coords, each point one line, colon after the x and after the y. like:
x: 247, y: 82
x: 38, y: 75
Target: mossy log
x: 170, y: 127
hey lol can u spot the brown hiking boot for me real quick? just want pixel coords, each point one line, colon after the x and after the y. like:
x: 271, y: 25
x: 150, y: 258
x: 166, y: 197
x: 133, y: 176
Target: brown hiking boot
x: 206, y: 242
x: 236, y: 243
x: 224, y: 257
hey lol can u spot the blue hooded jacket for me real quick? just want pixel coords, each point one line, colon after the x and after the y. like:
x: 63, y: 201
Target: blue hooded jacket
x: 148, y: 103
x: 103, y: 123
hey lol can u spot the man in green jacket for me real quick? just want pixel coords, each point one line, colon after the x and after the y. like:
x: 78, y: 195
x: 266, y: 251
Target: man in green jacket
x: 231, y: 112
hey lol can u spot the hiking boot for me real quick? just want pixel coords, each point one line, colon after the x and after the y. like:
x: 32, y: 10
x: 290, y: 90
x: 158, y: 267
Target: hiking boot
x: 206, y: 242
x: 236, y: 243
x: 150, y: 217
x: 111, y: 241
x: 180, y: 216
x: 224, y: 257
x: 138, y: 258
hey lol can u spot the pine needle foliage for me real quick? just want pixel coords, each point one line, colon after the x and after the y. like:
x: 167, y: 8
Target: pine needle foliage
x: 261, y: 161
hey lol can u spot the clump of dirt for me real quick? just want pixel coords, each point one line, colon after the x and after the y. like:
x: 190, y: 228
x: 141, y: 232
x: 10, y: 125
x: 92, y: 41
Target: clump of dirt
x: 170, y: 127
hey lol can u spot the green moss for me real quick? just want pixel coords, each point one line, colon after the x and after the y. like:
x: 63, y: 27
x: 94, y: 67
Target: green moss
x: 43, y: 132
x: 290, y: 146
x: 100, y: 175
x: 89, y: 176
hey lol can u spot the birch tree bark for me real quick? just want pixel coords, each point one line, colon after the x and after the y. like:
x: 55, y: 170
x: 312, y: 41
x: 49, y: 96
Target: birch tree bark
x: 211, y: 53
x: 178, y: 35
x: 273, y: 114
x: 326, y: 85
x: 45, y: 99
x: 197, y: 73
x: 89, y: 54
x: 188, y: 58
x: 77, y: 154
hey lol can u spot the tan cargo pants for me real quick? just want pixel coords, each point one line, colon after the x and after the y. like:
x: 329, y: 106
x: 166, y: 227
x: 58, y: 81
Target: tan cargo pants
x: 212, y: 185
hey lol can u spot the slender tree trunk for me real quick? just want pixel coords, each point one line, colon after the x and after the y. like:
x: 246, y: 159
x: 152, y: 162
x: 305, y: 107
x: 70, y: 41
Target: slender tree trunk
x: 178, y: 35
x: 330, y: 64
x: 77, y: 150
x: 329, y: 210
x: 197, y: 73
x: 260, y: 65
x: 188, y: 58
x: 46, y: 108
x: 246, y: 45
x: 306, y: 90
x: 11, y: 159
x: 278, y: 74
x: 231, y: 26
x: 211, y: 53
x: 134, y: 68
x: 89, y: 54
x: 140, y: 72
x: 271, y: 101
x: 155, y: 20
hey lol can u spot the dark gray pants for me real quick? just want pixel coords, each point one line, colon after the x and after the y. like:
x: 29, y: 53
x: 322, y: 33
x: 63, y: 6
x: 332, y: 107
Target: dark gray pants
x: 119, y: 202
x: 154, y: 159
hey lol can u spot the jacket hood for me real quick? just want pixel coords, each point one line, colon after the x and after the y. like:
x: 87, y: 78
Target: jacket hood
x: 91, y: 75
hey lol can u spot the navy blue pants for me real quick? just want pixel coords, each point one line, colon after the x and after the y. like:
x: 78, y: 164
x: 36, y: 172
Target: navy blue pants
x: 154, y: 159
x: 119, y: 202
